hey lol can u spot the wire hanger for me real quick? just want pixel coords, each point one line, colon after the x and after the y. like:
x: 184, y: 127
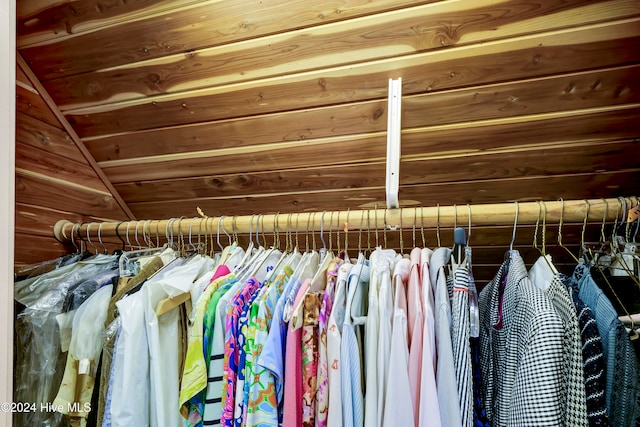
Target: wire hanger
x: 346, y: 233
x: 560, y: 233
x: 515, y: 227
x: 401, y: 236
x: 413, y: 228
x: 424, y: 242
x: 438, y: 227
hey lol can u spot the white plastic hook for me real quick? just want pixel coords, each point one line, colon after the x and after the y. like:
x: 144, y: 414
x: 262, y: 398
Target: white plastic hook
x: 393, y: 142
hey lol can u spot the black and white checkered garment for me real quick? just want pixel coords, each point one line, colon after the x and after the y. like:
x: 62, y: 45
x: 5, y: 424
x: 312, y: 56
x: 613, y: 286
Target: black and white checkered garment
x: 460, y: 332
x: 521, y: 352
x: 576, y: 400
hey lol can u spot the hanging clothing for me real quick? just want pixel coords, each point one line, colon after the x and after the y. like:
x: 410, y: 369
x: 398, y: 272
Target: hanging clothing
x: 131, y: 383
x: 621, y: 389
x: 380, y: 270
x: 334, y: 342
x: 398, y: 409
x: 447, y: 390
x: 311, y: 311
x: 194, y: 375
x: 415, y: 330
x: 232, y: 351
x: 592, y: 359
x: 429, y: 406
x: 150, y: 268
x: 263, y: 402
x: 521, y: 338
x: 272, y: 357
x: 460, y: 334
x: 74, y: 396
x: 350, y: 368
x: 40, y: 362
x: 292, y: 416
x: 326, y: 307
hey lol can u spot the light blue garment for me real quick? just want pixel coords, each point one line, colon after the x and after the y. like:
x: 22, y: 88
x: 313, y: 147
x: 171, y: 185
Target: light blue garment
x: 106, y: 421
x: 272, y: 356
x: 446, y: 383
x: 351, y: 366
x: 621, y: 364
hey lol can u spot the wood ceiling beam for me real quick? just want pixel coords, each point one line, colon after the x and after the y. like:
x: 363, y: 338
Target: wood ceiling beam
x: 74, y: 136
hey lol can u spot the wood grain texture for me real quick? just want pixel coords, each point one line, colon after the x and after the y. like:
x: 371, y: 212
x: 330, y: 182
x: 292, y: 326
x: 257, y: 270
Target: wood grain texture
x: 612, y: 125
x: 577, y: 186
x: 31, y: 248
x: 41, y: 135
x: 596, y: 156
x: 73, y: 135
x: 403, y: 32
x: 191, y: 28
x: 58, y: 168
x: 40, y: 21
x: 529, y: 57
x: 38, y: 220
x: 31, y: 104
x: 21, y: 78
x: 565, y: 92
x: 42, y: 191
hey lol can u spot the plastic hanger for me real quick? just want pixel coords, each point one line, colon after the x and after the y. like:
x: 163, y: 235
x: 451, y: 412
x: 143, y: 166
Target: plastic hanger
x: 457, y: 258
x: 104, y: 247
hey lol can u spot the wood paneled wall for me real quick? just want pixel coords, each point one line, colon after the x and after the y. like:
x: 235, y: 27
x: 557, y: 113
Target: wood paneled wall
x: 53, y: 179
x: 244, y: 107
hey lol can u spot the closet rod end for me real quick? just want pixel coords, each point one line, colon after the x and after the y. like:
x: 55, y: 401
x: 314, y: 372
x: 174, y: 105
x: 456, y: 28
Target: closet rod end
x: 58, y: 230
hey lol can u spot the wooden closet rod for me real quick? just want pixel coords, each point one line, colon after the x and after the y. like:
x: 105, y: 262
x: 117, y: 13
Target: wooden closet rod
x: 572, y: 211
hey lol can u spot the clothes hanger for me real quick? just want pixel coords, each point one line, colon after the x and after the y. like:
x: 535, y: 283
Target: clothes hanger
x: 413, y: 227
x: 438, y: 227
x: 104, y: 248
x: 286, y: 253
x: 625, y: 263
x: 384, y: 231
x: 424, y: 241
x: 375, y: 225
x: 459, y: 243
x: 622, y: 257
x: 244, y: 262
x: 543, y: 249
x: 560, y: 233
x: 346, y: 235
x: 401, y: 236
x: 319, y: 282
x: 119, y: 236
x: 513, y: 234
x: 73, y: 240
x: 371, y: 245
x: 474, y: 310
x: 627, y: 318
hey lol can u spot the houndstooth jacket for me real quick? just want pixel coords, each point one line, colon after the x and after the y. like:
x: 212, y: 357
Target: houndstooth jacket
x: 521, y: 351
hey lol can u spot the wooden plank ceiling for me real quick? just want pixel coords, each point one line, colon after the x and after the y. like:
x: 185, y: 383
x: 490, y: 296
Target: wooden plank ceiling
x: 244, y: 107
